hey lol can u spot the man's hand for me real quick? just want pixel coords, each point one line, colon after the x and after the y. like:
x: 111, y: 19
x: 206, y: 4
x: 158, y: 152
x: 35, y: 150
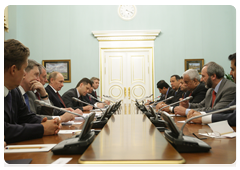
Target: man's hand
x: 166, y: 109
x: 147, y: 103
x: 100, y: 105
x: 88, y: 107
x: 36, y: 85
x: 50, y: 126
x: 159, y: 105
x: 107, y: 102
x: 179, y: 110
x: 67, y: 117
x: 78, y: 111
x: 193, y: 113
x: 184, y: 103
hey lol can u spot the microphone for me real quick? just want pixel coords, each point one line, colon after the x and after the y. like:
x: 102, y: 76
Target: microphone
x: 96, y: 99
x: 42, y: 103
x: 145, y: 97
x: 78, y: 100
x: 108, y: 98
x: 187, y: 98
x: 210, y: 113
x: 169, y: 98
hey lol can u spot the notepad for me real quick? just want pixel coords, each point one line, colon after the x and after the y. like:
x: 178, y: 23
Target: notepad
x: 68, y: 131
x: 28, y: 148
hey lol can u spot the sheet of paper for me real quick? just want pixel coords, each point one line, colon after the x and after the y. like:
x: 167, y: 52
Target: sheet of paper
x: 28, y: 148
x: 68, y: 131
x: 221, y: 127
x: 212, y: 135
x: 183, y: 121
x: 60, y: 162
x: 71, y: 123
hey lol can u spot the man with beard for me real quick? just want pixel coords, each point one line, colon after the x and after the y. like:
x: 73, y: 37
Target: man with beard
x: 230, y: 115
x: 220, y: 93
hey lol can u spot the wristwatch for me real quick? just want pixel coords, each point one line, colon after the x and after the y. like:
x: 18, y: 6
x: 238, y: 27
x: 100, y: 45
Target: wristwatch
x: 44, y: 96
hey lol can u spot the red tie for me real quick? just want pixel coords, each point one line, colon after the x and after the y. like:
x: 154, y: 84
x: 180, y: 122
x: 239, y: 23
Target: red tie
x: 61, y: 99
x: 213, y: 97
x: 37, y: 95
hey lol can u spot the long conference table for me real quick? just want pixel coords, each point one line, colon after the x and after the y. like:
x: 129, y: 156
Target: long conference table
x: 129, y: 137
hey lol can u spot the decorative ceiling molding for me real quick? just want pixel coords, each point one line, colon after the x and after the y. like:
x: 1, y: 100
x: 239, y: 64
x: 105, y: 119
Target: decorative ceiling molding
x: 126, y: 35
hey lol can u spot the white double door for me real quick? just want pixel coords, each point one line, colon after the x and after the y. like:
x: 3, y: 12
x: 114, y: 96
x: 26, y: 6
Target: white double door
x: 127, y: 74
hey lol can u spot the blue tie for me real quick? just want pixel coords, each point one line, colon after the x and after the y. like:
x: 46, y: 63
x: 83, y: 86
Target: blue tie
x: 8, y: 99
x: 27, y: 101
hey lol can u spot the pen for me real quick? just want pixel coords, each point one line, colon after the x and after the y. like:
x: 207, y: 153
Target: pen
x: 30, y: 147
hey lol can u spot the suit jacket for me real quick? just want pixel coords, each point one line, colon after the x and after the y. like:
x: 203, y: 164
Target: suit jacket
x: 69, y: 102
x: 198, y: 93
x: 38, y: 109
x: 19, y: 123
x: 177, y: 95
x: 230, y: 115
x: 94, y: 95
x: 169, y: 94
x: 89, y: 100
x: 226, y: 94
x: 54, y: 97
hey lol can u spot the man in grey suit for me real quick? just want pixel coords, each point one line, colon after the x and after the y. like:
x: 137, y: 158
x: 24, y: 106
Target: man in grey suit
x: 30, y: 83
x: 220, y: 93
x: 230, y: 116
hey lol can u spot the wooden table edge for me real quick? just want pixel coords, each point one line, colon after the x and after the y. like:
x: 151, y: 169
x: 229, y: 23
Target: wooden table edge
x: 134, y: 162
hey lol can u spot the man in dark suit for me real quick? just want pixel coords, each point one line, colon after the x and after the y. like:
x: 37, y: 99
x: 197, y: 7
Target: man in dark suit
x: 19, y: 123
x: 175, y: 81
x: 30, y: 83
x: 55, y: 80
x: 95, y: 85
x: 79, y: 92
x: 165, y: 90
x: 185, y: 93
x: 230, y: 116
x: 196, y: 89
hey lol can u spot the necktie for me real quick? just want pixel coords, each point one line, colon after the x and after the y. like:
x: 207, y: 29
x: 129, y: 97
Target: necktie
x: 61, y: 99
x: 37, y: 95
x: 213, y: 97
x: 27, y: 101
x: 8, y: 99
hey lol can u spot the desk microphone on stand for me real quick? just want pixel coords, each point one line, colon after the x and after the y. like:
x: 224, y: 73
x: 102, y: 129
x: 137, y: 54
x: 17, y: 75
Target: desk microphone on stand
x: 78, y: 100
x: 169, y: 98
x: 100, y: 122
x: 42, y: 103
x: 186, y: 144
x: 187, y: 98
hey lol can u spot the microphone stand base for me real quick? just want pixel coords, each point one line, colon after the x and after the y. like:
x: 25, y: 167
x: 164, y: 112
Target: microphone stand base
x: 158, y: 123
x: 99, y: 124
